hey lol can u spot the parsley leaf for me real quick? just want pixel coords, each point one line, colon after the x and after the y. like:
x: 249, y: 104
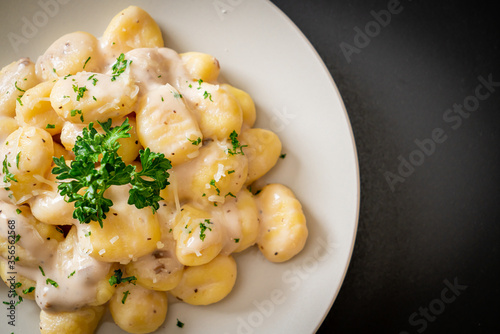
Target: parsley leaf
x: 147, y: 183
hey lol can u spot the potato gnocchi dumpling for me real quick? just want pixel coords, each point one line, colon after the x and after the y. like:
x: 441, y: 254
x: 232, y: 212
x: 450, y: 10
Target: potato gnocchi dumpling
x: 263, y: 149
x: 246, y: 103
x: 201, y: 65
x: 248, y: 216
x: 126, y: 176
x: 217, y: 111
x: 35, y: 109
x: 7, y: 126
x: 130, y: 29
x: 15, y: 79
x: 81, y: 321
x: 70, y: 54
x: 198, y: 237
x: 208, y: 283
x: 27, y: 155
x: 165, y: 125
x: 127, y: 233
x: 283, y: 230
x: 90, y: 97
x: 138, y: 310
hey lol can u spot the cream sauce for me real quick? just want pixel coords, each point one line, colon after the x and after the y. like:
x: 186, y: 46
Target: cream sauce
x: 68, y: 263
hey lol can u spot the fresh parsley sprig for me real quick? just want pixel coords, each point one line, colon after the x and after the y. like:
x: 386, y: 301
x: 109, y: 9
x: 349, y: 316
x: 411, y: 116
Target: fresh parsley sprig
x: 147, y: 183
x: 86, y: 184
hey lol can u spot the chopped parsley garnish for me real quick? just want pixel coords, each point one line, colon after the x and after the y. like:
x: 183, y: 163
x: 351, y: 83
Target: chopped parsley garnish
x: 283, y: 156
x: 5, y: 170
x: 119, y: 66
x: 195, y: 142
x: 93, y: 147
x: 94, y: 80
x: 230, y: 194
x: 117, y: 278
x: 80, y: 91
x: 125, y: 295
x: 77, y: 111
x: 207, y: 94
x: 231, y: 171
x: 203, y: 227
x: 8, y: 176
x: 19, y: 89
x: 88, y: 234
x: 86, y: 62
x: 17, y: 159
x: 236, y: 144
x: 199, y: 83
x: 67, y: 76
x: 60, y: 230
x: 180, y: 324
x: 20, y: 102
x: 71, y: 274
x: 18, y: 236
x: 237, y: 240
x: 50, y: 126
x: 52, y: 282
x: 177, y: 95
x: 53, y: 70
x: 212, y: 183
x: 18, y: 211
x: 41, y: 269
x: 29, y: 290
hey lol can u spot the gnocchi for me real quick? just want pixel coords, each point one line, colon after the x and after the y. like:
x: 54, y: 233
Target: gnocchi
x: 126, y: 174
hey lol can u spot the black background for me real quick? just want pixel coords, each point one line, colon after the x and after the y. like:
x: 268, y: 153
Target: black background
x: 442, y: 223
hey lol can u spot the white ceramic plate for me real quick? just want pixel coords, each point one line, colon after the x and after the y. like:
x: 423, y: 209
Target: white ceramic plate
x: 261, y: 51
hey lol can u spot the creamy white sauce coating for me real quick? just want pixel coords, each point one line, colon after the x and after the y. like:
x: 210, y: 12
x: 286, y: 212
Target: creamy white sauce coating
x: 63, y: 264
x: 69, y: 264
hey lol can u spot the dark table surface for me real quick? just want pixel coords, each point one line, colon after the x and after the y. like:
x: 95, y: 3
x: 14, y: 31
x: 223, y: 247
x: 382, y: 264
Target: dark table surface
x: 421, y: 84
